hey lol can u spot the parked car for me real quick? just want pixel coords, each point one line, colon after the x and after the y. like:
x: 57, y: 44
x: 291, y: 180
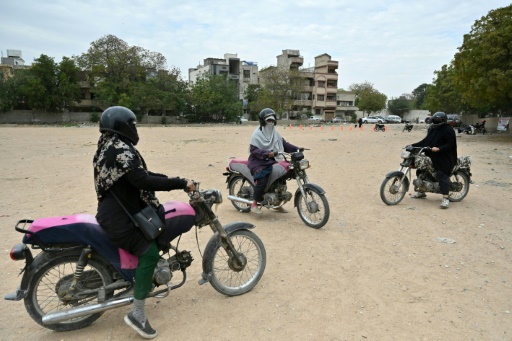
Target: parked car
x: 454, y: 120
x: 370, y: 119
x: 425, y: 120
x: 381, y: 119
x: 337, y: 120
x: 394, y: 119
x: 316, y: 118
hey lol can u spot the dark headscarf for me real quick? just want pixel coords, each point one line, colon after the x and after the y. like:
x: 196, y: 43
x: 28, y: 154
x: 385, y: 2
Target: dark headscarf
x: 115, y: 157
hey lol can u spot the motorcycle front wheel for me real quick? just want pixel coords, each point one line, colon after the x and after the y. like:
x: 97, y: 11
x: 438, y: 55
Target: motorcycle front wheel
x: 313, y: 209
x: 53, y: 279
x: 233, y: 279
x: 242, y: 188
x: 462, y: 181
x: 393, y: 189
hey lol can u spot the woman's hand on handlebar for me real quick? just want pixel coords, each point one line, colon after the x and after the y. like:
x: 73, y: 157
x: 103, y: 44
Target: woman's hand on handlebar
x: 191, y: 186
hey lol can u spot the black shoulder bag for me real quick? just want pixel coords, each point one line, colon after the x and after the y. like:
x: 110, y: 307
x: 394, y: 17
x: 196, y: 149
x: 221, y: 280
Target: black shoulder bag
x: 147, y: 220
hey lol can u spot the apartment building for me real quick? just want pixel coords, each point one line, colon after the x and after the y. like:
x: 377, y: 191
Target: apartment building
x: 320, y: 95
x: 242, y: 72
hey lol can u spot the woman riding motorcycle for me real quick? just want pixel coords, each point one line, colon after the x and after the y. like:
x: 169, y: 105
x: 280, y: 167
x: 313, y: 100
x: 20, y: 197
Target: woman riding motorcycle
x: 441, y: 138
x: 119, y: 168
x: 264, y: 147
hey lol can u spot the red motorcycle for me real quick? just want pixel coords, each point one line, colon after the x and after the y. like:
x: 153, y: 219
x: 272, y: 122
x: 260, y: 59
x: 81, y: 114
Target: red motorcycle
x: 309, y: 198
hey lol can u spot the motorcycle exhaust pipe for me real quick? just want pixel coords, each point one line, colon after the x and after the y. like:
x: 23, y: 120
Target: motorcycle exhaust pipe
x: 72, y: 313
x: 235, y: 198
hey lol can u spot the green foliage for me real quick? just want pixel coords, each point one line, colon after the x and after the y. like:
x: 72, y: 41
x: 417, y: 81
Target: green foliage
x: 443, y: 94
x: 483, y: 65
x: 215, y: 99
x: 51, y: 86
x: 368, y: 99
x: 12, y: 91
x: 116, y: 69
x: 419, y: 95
x: 280, y: 87
x: 400, y: 105
x: 95, y: 117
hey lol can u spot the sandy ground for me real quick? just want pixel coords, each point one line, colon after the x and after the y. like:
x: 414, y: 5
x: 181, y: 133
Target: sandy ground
x: 374, y: 272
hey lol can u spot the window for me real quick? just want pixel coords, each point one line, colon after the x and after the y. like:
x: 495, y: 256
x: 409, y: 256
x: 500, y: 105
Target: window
x: 321, y: 84
x: 321, y: 97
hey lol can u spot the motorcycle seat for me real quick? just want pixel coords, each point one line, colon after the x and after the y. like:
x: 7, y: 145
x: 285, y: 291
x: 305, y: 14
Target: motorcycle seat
x: 238, y: 161
x: 45, y: 223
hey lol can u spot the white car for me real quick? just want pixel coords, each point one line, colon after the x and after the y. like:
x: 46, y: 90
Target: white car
x: 371, y: 119
x: 394, y: 119
x: 315, y: 118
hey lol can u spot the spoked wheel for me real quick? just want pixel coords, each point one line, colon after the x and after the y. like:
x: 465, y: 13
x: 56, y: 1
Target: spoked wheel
x: 48, y: 292
x: 242, y: 188
x: 393, y: 189
x: 459, y: 186
x: 313, y: 208
x: 232, y: 278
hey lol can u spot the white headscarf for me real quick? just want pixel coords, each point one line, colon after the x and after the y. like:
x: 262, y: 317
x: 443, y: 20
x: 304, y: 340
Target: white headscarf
x: 267, y: 137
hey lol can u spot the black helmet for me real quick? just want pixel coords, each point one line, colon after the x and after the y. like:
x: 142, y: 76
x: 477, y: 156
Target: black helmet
x: 439, y: 119
x: 120, y: 120
x: 264, y: 114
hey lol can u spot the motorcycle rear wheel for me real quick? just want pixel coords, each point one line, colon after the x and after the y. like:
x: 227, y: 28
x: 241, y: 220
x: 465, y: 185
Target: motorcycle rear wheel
x: 226, y: 277
x: 242, y: 188
x: 313, y: 209
x: 462, y: 178
x: 393, y: 190
x: 42, y: 297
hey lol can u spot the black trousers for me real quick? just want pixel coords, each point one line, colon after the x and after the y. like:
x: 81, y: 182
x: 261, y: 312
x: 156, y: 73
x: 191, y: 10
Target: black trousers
x: 444, y: 182
x: 259, y: 189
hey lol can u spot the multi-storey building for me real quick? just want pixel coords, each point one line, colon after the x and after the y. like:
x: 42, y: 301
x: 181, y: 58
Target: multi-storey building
x: 320, y: 95
x: 241, y: 72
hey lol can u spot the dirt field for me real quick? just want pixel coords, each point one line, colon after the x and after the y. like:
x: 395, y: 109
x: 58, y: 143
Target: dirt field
x: 374, y: 272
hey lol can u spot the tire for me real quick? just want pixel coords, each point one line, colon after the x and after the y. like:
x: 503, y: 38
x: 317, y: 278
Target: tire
x: 241, y: 187
x: 42, y: 297
x: 463, y: 179
x: 314, y: 211
x: 391, y: 192
x: 228, y: 281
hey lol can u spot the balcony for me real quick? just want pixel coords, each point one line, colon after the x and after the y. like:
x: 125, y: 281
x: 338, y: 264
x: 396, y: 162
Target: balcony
x: 303, y: 102
x: 296, y: 61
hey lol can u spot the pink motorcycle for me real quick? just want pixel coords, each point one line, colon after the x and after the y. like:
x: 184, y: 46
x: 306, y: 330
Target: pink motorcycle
x: 78, y: 273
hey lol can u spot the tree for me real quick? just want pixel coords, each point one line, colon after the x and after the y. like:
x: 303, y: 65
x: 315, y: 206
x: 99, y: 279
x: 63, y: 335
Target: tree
x: 51, y: 86
x: 115, y: 68
x: 215, y: 98
x: 163, y: 93
x: 483, y: 65
x: 368, y: 99
x: 252, y: 94
x: 400, y: 105
x: 419, y: 95
x: 443, y: 95
x: 281, y: 87
x: 12, y: 91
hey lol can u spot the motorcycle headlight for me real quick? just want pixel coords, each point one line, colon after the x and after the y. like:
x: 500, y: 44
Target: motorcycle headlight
x: 405, y: 154
x: 213, y: 195
x: 303, y: 164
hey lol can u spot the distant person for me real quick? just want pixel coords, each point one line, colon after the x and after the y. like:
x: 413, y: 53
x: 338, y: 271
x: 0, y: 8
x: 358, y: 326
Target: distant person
x: 360, y: 122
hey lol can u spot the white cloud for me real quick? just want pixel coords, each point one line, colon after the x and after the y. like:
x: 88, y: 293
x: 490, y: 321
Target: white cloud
x: 396, y: 45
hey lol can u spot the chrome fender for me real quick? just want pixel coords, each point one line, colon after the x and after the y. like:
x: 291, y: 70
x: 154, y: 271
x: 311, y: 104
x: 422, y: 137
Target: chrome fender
x: 313, y: 187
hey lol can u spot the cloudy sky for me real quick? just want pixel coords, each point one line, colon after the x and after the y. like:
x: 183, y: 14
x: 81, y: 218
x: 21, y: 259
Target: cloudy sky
x: 396, y: 44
